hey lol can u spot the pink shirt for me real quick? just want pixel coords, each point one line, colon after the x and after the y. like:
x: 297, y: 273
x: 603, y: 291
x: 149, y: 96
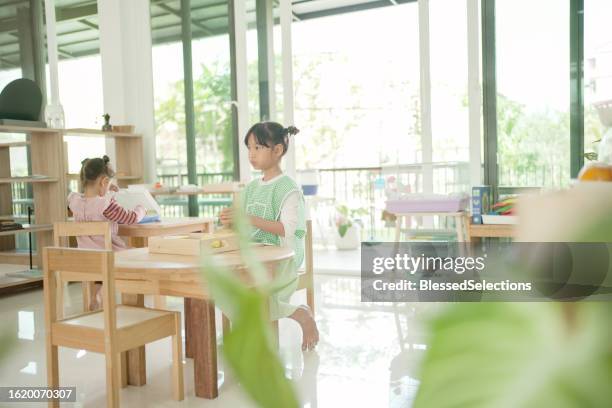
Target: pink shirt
x: 102, y: 209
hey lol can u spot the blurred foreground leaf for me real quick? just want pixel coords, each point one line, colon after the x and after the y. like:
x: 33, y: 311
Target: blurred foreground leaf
x: 522, y: 354
x: 519, y: 355
x: 248, y: 348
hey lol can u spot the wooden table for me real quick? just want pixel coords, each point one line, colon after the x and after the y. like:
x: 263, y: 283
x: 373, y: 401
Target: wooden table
x: 491, y: 231
x: 137, y: 237
x: 139, y: 272
x: 137, y: 234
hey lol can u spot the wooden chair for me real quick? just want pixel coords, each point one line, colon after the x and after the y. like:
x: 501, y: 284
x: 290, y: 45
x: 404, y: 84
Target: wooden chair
x: 306, y: 275
x: 114, y: 329
x: 64, y: 230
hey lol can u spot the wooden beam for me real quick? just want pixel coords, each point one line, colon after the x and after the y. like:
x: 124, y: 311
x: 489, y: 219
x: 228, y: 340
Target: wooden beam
x: 178, y: 14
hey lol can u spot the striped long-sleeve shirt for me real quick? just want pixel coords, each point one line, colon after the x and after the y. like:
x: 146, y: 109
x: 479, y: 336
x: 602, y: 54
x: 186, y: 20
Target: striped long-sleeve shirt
x: 103, y: 208
x: 115, y: 212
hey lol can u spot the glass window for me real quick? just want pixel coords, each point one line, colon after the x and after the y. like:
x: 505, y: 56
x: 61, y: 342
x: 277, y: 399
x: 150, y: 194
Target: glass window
x: 17, y: 45
x: 533, y: 92
x: 357, y: 90
x: 597, y: 68
x: 448, y: 45
x: 212, y: 97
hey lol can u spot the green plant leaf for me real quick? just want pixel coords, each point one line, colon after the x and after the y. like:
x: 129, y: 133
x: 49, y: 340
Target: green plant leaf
x: 248, y: 348
x: 342, y: 229
x: 519, y: 355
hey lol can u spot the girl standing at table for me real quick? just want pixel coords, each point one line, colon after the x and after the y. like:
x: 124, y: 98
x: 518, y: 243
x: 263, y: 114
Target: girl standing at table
x: 274, y: 205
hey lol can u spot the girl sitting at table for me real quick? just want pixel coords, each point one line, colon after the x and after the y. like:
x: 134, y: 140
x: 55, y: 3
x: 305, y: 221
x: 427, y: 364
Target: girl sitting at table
x: 97, y: 203
x: 274, y: 205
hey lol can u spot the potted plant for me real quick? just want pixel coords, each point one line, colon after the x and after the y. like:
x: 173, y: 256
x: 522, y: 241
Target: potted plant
x: 348, y: 227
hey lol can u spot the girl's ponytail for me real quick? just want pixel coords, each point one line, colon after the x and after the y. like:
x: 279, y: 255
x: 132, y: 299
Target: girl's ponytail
x: 292, y: 130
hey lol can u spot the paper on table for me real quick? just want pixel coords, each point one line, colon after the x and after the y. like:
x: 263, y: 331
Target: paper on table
x: 130, y: 198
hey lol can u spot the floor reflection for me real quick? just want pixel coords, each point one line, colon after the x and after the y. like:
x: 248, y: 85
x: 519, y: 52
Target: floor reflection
x: 368, y: 355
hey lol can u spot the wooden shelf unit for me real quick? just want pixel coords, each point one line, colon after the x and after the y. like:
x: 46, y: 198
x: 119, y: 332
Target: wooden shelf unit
x: 48, y: 153
x: 49, y: 193
x: 129, y: 155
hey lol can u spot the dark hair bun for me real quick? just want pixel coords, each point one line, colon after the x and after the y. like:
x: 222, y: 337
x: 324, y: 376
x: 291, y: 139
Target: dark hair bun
x: 105, y: 159
x: 292, y: 130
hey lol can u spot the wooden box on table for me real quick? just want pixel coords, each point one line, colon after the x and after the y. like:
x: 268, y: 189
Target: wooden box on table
x: 195, y: 244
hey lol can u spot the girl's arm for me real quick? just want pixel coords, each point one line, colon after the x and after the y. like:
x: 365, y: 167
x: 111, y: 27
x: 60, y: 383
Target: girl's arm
x: 286, y: 225
x: 273, y: 227
x: 115, y: 212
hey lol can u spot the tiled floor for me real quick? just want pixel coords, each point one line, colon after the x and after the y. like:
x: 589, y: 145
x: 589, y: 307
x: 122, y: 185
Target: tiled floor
x: 333, y: 261
x: 366, y: 358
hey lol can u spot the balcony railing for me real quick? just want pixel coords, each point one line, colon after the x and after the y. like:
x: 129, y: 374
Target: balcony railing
x: 356, y: 187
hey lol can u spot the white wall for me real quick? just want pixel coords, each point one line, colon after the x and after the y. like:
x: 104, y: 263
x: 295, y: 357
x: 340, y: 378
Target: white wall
x: 127, y: 74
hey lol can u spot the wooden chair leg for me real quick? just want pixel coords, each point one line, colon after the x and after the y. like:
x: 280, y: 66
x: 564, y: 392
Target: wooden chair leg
x: 137, y: 363
x: 227, y: 325
x: 52, y: 370
x: 178, y: 388
x: 87, y: 288
x: 113, y: 383
x: 59, y: 305
x: 124, y: 369
x: 310, y: 298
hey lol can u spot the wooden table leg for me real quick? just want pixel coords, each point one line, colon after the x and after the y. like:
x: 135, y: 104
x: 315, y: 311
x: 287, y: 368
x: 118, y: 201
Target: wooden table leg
x: 136, y: 361
x: 188, y: 331
x: 204, y: 346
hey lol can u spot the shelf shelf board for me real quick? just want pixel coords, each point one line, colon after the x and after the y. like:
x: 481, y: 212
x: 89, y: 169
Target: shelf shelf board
x: 72, y: 176
x: 14, y: 144
x: 9, y: 283
x: 98, y: 133
x: 28, y: 228
x: 25, y: 129
x: 17, y: 257
x: 28, y: 179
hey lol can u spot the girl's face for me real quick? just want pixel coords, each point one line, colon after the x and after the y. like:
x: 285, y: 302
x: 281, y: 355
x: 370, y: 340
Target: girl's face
x: 263, y: 157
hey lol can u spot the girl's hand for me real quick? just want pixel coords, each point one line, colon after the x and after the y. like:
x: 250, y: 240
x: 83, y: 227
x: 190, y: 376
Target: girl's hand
x: 113, y: 187
x: 226, y: 216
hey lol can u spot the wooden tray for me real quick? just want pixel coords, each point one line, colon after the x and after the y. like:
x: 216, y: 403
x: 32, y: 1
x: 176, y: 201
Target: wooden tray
x: 194, y: 243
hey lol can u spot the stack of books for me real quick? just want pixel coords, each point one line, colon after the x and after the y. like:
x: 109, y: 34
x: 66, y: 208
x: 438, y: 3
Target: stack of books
x: 10, y: 226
